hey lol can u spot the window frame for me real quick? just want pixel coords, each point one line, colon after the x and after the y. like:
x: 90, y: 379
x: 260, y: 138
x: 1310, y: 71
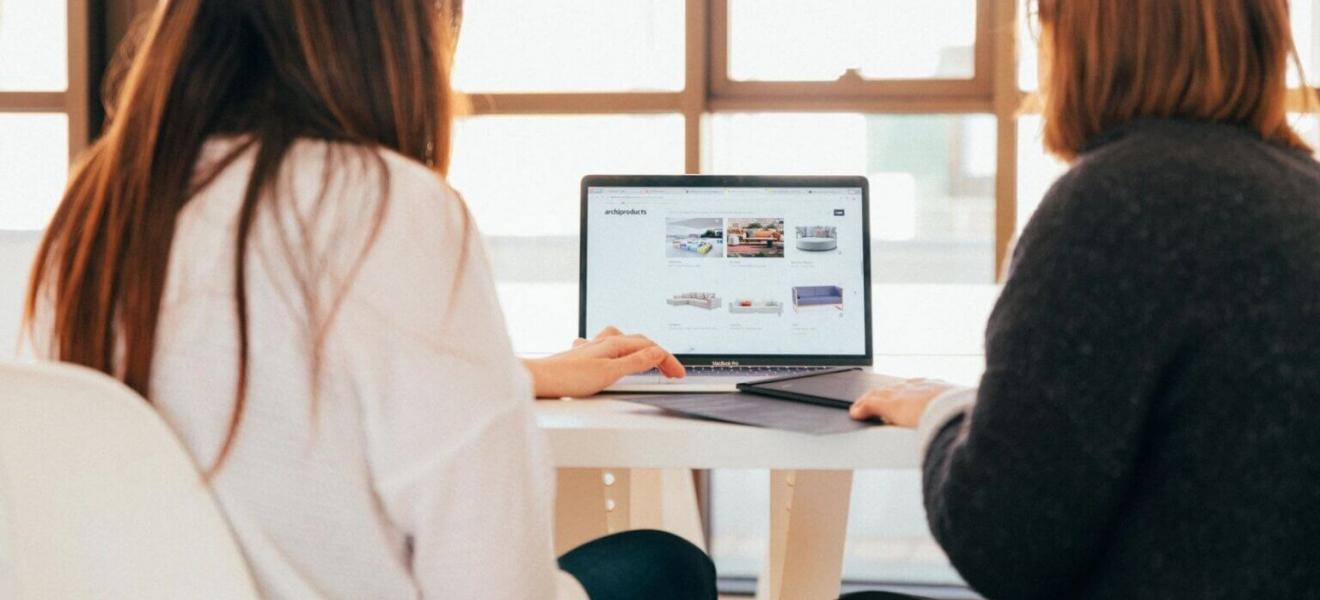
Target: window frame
x: 708, y: 90
x: 75, y: 101
x: 978, y: 89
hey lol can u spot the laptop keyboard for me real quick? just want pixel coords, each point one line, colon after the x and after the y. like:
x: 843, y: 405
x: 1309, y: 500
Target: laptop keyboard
x: 749, y: 372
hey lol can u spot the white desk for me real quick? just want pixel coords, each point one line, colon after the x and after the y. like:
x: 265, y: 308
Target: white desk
x: 625, y: 466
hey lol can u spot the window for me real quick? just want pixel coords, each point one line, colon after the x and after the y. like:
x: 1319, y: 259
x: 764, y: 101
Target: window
x: 932, y: 180
x: 43, y: 105
x: 523, y: 171
x: 1306, y: 30
x: 34, y: 163
x: 850, y: 48
x: 559, y: 46
x: 785, y: 40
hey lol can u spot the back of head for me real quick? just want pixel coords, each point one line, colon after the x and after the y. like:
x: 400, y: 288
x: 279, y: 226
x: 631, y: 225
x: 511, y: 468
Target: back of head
x: 1113, y: 61
x: 367, y: 73
x: 370, y: 72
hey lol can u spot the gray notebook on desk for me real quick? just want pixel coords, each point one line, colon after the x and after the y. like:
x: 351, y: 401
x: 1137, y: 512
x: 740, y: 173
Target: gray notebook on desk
x: 838, y: 388
x: 759, y: 411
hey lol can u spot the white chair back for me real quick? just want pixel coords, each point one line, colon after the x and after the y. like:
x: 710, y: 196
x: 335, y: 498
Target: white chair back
x: 98, y: 499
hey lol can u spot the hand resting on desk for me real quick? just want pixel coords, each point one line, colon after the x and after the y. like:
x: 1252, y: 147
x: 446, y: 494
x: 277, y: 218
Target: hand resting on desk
x: 901, y: 404
x: 592, y: 365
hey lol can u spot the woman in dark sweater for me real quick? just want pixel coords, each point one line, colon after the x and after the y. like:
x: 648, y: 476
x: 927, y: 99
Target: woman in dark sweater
x: 1148, y: 425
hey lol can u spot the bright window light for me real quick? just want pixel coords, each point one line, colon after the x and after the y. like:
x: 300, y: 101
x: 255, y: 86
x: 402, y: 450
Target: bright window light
x: 34, y: 163
x: 521, y: 174
x: 571, y: 46
x: 788, y: 40
x: 33, y: 45
x: 1037, y: 170
x: 932, y: 180
x: 1306, y: 33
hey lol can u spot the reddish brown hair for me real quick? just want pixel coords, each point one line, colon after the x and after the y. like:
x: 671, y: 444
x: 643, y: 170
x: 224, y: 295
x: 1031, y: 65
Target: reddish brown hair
x: 367, y: 73
x: 1113, y: 61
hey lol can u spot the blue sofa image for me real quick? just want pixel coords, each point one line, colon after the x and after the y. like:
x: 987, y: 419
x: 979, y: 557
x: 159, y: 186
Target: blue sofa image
x: 818, y: 295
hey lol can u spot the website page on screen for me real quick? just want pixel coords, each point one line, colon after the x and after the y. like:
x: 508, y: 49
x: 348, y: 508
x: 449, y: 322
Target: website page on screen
x: 733, y: 271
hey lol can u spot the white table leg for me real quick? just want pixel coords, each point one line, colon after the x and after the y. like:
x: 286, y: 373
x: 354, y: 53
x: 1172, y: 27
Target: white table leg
x: 808, y: 524
x: 580, y: 509
x: 592, y: 503
x: 665, y: 499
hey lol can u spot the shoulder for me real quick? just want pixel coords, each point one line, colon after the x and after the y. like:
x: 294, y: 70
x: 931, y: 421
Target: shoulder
x: 395, y: 204
x: 365, y: 215
x: 1113, y: 201
x: 1166, y: 171
x: 1170, y: 160
x: 1176, y: 190
x: 410, y: 179
x: 370, y: 172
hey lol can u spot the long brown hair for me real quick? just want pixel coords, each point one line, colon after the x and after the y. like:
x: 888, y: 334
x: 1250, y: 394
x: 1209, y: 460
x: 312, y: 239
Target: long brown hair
x: 366, y: 73
x: 1113, y: 61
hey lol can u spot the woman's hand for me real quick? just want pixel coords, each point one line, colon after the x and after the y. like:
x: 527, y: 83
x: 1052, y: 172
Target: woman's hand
x: 593, y: 365
x: 901, y: 404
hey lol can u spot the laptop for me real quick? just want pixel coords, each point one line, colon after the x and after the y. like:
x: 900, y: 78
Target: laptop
x: 742, y: 278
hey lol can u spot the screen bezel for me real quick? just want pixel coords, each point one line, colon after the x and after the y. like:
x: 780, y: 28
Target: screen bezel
x: 739, y: 181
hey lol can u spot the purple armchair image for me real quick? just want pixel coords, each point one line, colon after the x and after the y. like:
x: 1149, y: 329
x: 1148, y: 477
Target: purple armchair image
x: 818, y: 295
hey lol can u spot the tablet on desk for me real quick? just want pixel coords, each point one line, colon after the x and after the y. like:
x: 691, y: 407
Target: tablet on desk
x: 837, y: 388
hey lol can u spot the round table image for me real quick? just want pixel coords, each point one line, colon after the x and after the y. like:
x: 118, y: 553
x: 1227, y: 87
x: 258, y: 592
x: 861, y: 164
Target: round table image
x: 817, y: 244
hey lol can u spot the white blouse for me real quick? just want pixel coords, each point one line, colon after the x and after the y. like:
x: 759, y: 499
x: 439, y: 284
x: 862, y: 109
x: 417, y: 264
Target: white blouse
x: 409, y: 465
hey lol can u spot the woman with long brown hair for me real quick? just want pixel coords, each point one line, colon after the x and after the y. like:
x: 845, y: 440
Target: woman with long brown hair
x: 263, y: 245
x: 1147, y: 424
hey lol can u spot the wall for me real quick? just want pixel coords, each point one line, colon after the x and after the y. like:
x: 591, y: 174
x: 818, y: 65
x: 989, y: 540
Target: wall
x: 16, y: 250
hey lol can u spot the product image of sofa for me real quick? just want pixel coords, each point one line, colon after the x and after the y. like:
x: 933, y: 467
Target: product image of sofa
x: 756, y: 238
x: 704, y: 300
x: 754, y: 307
x: 818, y: 295
x: 817, y: 239
x: 701, y: 247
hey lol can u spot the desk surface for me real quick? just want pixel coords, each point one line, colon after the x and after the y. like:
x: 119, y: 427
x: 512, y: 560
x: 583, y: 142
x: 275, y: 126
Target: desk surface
x: 609, y: 432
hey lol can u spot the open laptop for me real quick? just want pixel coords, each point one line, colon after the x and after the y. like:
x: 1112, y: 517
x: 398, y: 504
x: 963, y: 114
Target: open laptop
x: 742, y: 278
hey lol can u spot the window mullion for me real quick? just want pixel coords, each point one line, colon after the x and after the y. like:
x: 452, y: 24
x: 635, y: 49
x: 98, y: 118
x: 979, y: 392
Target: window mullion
x: 1008, y: 100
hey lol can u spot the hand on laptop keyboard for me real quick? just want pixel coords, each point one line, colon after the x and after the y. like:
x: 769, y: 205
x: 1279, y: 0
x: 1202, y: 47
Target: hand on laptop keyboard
x: 593, y: 365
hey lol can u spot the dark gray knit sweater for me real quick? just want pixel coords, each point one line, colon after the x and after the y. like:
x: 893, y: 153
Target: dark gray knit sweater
x: 1148, y: 425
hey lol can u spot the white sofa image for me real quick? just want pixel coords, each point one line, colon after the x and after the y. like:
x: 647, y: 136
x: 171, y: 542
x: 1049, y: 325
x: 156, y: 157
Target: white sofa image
x: 753, y: 307
x: 704, y: 300
x: 817, y: 239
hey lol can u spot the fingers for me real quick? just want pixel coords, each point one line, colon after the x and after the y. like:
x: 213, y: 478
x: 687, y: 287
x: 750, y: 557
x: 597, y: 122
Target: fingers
x: 622, y: 345
x: 626, y: 345
x: 870, y: 406
x: 901, y: 404
x: 607, y: 332
x: 671, y: 368
x: 617, y: 344
x: 640, y: 361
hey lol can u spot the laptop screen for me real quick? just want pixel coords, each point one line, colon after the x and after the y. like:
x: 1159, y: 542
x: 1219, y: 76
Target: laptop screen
x: 751, y: 270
